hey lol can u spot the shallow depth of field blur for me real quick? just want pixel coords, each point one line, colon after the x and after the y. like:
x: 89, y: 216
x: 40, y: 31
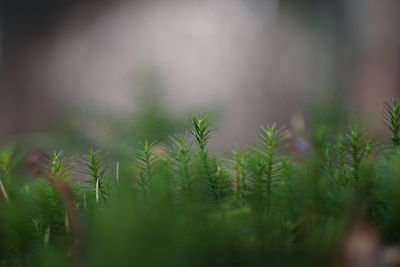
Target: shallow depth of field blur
x: 114, y: 75
x: 75, y: 66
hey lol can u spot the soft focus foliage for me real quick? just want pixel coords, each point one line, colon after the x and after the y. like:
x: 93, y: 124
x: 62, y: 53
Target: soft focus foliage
x: 180, y: 205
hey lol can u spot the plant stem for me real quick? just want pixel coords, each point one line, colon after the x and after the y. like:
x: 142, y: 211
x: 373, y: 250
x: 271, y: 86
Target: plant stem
x: 97, y: 191
x: 117, y: 172
x: 3, y: 190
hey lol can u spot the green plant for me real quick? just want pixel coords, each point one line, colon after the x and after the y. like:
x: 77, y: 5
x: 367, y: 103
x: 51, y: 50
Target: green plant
x: 95, y: 168
x: 239, y: 163
x: 145, y: 166
x: 185, y: 206
x: 201, y: 131
x: 181, y: 154
x: 56, y: 165
x: 271, y: 139
x: 392, y: 117
x: 7, y: 164
x: 358, y: 149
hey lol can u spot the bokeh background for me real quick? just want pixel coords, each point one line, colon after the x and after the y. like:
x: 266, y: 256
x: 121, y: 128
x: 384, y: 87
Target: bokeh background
x: 113, y: 72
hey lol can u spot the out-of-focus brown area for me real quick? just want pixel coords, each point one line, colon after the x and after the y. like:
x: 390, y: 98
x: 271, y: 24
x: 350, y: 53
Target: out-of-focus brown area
x: 259, y: 61
x: 362, y: 247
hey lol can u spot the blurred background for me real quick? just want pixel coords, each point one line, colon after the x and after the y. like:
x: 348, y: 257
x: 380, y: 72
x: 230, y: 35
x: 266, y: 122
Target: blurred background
x: 113, y: 72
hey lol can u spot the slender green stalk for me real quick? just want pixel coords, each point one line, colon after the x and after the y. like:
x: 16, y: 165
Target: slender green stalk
x: 222, y: 187
x: 145, y: 166
x: 358, y: 148
x: 201, y: 131
x: 56, y: 164
x: 46, y: 237
x: 240, y: 175
x: 182, y: 159
x: 117, y: 172
x: 255, y: 167
x: 6, y: 156
x: 355, y: 143
x: 392, y: 117
x: 97, y: 191
x: 95, y: 169
x: 4, y: 192
x: 271, y: 138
